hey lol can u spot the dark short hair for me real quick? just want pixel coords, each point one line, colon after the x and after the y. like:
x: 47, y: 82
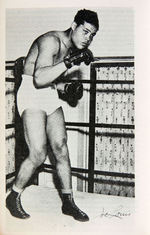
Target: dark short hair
x: 88, y: 16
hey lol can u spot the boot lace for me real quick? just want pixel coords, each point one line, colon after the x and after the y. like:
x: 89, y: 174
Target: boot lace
x: 19, y: 207
x: 77, y: 209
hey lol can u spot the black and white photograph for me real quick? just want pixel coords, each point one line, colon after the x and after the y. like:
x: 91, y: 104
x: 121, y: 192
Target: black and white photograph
x: 70, y: 133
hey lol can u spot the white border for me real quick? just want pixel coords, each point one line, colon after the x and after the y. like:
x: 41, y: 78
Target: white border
x: 142, y: 62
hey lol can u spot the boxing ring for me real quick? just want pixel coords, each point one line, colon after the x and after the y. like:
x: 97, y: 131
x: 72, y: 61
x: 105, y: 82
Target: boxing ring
x: 104, y: 128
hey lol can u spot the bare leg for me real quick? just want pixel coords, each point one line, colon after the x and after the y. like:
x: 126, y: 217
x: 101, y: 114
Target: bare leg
x: 35, y: 135
x: 57, y: 136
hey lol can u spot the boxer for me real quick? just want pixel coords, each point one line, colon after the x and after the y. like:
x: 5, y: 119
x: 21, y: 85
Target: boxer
x: 49, y: 57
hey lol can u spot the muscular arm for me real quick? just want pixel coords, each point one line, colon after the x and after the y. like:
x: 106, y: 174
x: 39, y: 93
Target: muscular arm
x: 45, y: 71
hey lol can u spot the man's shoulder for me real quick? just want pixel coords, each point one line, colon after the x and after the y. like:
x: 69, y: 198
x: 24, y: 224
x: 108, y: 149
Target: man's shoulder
x: 51, y: 37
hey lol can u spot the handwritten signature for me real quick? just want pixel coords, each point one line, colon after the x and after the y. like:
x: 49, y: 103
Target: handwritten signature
x: 118, y: 213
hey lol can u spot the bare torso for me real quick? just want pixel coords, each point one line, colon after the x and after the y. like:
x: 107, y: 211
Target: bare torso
x: 32, y: 55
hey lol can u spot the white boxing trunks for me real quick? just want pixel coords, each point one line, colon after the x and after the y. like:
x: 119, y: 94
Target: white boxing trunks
x: 28, y: 97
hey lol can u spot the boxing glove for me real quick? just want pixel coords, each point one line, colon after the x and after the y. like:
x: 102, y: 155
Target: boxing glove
x: 72, y: 93
x: 88, y: 57
x: 77, y: 57
x: 74, y: 89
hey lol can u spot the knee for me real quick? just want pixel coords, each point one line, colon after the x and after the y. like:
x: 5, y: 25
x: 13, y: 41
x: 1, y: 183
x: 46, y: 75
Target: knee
x: 38, y: 154
x: 60, y: 146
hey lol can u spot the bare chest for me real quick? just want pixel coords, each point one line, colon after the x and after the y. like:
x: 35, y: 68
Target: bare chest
x: 59, y: 57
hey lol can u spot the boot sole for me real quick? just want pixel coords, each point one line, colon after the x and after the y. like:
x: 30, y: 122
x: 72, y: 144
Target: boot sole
x: 65, y: 213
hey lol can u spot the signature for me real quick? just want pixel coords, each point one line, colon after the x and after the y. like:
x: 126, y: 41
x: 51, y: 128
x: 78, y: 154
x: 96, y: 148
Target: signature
x: 118, y: 213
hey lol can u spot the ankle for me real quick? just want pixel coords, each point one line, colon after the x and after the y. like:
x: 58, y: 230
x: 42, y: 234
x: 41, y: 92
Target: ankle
x: 16, y: 189
x: 67, y: 198
x: 66, y: 191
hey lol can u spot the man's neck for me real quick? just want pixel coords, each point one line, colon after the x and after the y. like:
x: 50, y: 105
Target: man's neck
x: 67, y: 40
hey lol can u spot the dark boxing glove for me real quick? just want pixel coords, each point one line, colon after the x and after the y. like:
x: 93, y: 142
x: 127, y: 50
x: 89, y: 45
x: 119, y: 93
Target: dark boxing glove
x: 72, y: 93
x: 74, y: 89
x: 77, y: 57
x: 88, y: 57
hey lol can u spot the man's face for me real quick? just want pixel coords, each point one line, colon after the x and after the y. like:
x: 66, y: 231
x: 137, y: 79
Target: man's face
x: 83, y: 34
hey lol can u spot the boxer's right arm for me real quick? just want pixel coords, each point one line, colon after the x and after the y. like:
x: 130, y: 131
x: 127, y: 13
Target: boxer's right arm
x: 45, y: 71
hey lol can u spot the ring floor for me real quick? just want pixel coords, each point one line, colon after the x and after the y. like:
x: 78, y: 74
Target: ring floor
x: 108, y: 214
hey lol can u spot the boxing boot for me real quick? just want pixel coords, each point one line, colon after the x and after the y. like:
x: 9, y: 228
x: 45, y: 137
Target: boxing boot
x: 13, y: 204
x: 69, y: 208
